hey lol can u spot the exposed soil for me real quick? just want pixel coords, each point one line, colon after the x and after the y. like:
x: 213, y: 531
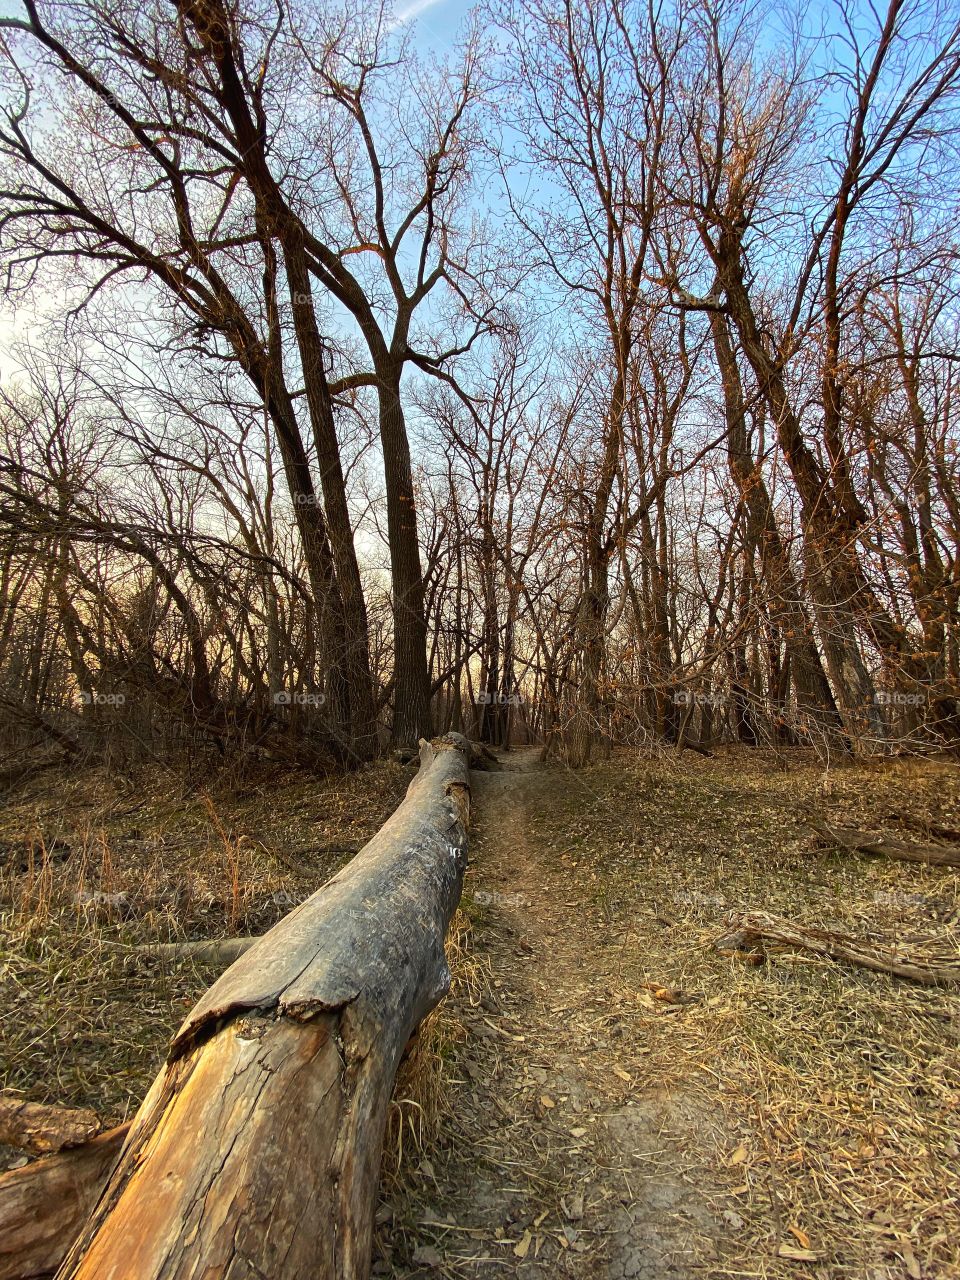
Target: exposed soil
x: 563, y: 1159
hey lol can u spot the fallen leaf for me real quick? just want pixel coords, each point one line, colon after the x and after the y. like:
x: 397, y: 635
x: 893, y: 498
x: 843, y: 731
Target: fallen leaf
x: 574, y: 1208
x: 547, y: 1101
x: 738, y: 1156
x: 624, y: 1075
x: 801, y: 1237
x: 797, y: 1255
x: 522, y: 1247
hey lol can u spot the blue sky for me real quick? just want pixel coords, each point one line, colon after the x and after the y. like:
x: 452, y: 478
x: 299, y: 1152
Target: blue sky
x: 434, y: 22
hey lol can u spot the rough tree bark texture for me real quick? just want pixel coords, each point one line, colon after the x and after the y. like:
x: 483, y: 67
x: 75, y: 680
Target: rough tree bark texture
x: 37, y: 1127
x: 876, y: 846
x: 257, y: 1150
x: 44, y: 1205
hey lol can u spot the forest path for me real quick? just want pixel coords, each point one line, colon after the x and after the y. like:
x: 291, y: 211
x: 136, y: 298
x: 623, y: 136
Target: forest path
x: 561, y: 1156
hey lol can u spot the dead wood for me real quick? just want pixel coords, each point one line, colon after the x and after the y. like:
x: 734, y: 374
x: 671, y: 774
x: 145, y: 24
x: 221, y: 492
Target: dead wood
x: 18, y: 771
x: 932, y: 830
x: 212, y: 951
x: 44, y: 1205
x: 483, y: 759
x: 258, y: 1147
x: 933, y: 855
x: 752, y: 932
x: 37, y: 1127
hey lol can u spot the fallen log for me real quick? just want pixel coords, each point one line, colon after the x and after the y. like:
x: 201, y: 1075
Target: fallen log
x: 37, y: 1127
x: 44, y: 1205
x: 931, y: 855
x: 926, y: 826
x: 258, y: 1147
x: 750, y: 931
x: 212, y: 951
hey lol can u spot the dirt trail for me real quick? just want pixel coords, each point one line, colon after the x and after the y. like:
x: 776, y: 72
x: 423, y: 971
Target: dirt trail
x: 560, y: 1157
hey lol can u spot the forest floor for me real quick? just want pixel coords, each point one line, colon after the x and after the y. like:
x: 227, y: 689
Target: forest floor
x: 622, y: 1101
x: 603, y: 1094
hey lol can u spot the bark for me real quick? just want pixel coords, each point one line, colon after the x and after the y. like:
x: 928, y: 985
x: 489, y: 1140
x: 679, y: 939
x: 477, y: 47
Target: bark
x: 257, y: 1150
x: 218, y: 951
x: 411, y: 706
x: 265, y: 367
x: 44, y: 1205
x: 356, y: 658
x: 585, y: 725
x: 839, y: 592
x: 37, y: 1127
x: 813, y: 693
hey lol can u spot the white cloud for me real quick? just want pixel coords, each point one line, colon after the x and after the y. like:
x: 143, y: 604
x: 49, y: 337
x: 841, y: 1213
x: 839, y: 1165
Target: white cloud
x: 411, y: 11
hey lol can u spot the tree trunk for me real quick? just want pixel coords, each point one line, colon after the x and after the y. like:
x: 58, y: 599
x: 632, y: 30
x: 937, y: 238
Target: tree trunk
x: 815, y: 702
x: 257, y: 1150
x: 356, y: 658
x: 837, y: 588
x: 591, y: 640
x: 411, y: 705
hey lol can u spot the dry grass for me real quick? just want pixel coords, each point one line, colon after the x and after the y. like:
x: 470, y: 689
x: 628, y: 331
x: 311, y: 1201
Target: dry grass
x: 620, y: 1099
x: 813, y: 1106
x: 421, y: 1098
x: 94, y: 864
x: 840, y: 1087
